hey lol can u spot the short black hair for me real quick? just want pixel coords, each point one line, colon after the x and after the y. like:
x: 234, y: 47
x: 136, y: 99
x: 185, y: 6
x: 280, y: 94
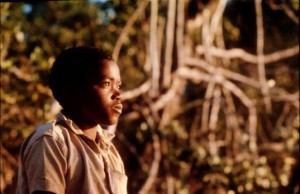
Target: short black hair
x: 73, y: 66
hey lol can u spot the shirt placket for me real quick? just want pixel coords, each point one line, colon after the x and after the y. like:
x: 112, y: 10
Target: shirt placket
x: 103, y: 149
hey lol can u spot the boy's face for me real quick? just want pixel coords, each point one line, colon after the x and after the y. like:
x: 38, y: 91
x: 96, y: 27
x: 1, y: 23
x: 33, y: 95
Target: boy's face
x: 102, y: 103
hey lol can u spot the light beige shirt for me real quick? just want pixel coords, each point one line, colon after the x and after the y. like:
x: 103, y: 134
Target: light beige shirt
x: 59, y: 158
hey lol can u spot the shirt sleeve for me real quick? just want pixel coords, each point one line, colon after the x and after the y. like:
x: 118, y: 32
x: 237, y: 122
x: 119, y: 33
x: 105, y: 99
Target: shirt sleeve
x: 45, y: 165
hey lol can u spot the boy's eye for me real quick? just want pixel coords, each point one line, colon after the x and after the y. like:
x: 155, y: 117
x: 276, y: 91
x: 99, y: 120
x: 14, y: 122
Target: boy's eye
x: 106, y: 84
x: 119, y: 86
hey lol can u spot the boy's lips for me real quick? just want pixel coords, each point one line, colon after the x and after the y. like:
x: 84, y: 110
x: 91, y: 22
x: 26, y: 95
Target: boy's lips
x: 118, y: 108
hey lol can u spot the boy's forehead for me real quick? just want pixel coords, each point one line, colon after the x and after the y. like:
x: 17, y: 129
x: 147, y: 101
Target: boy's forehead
x: 109, y: 70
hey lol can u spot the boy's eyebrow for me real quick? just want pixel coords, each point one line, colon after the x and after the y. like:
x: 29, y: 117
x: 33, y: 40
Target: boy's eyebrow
x: 110, y: 78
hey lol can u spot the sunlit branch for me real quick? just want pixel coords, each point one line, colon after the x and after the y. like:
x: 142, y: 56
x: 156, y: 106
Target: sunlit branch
x: 214, y: 115
x: 252, y: 118
x: 154, y: 49
x: 287, y: 10
x: 225, y: 72
x: 127, y: 27
x: 206, y: 105
x: 281, y: 95
x: 237, y: 53
x: 233, y: 129
x: 169, y: 43
x: 180, y: 33
x: 154, y: 166
x: 216, y: 19
x: 137, y: 91
x: 206, y: 37
x: 165, y: 98
x: 260, y: 56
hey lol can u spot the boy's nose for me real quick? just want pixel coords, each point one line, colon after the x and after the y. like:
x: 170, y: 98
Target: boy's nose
x: 117, y: 95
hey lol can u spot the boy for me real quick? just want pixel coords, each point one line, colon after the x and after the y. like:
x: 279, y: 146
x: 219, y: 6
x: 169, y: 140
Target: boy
x: 73, y: 154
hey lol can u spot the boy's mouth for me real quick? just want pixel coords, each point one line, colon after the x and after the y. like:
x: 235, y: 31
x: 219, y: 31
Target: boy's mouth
x: 118, y: 108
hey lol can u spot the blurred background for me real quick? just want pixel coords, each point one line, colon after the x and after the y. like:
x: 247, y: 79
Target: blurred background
x: 211, y: 88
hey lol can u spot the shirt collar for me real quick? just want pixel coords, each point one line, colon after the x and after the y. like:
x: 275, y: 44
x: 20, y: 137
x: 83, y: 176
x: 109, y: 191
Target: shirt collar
x: 104, y: 136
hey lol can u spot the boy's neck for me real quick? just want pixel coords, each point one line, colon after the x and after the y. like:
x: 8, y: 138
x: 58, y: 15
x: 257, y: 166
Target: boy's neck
x: 90, y: 130
x: 91, y: 133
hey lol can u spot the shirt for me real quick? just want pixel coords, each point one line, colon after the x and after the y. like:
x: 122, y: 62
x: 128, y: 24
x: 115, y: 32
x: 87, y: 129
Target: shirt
x: 59, y: 158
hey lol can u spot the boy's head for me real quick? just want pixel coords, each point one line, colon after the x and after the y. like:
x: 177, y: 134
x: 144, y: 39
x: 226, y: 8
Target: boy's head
x: 86, y: 82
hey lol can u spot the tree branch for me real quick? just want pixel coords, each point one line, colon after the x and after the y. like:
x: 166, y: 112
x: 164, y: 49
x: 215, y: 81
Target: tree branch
x: 154, y: 167
x: 169, y: 43
x: 137, y: 91
x: 154, y: 49
x: 248, y: 57
x: 260, y: 56
x: 128, y: 25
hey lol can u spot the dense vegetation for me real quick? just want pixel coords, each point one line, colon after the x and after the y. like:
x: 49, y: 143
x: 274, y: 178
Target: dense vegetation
x: 211, y: 88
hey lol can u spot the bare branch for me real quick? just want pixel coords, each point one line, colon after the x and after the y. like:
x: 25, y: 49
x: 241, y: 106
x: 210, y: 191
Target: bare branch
x: 200, y: 63
x: 190, y: 74
x: 275, y: 147
x: 128, y: 25
x: 206, y: 36
x: 165, y: 98
x: 248, y: 57
x: 154, y: 167
x: 231, y: 122
x: 170, y: 184
x: 283, y: 115
x: 260, y: 56
x: 216, y: 18
x: 278, y: 94
x: 286, y: 9
x: 252, y: 118
x: 290, y: 14
x: 227, y: 73
x: 169, y: 43
x: 239, y: 77
x: 220, y: 42
x: 206, y: 105
x: 214, y: 115
x: 279, y: 55
x: 180, y: 33
x: 154, y: 49
x: 137, y: 91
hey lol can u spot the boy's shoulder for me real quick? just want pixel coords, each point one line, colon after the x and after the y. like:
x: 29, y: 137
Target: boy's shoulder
x: 50, y: 129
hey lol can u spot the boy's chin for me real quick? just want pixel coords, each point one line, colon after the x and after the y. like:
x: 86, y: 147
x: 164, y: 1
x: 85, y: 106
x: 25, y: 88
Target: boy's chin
x: 110, y: 122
